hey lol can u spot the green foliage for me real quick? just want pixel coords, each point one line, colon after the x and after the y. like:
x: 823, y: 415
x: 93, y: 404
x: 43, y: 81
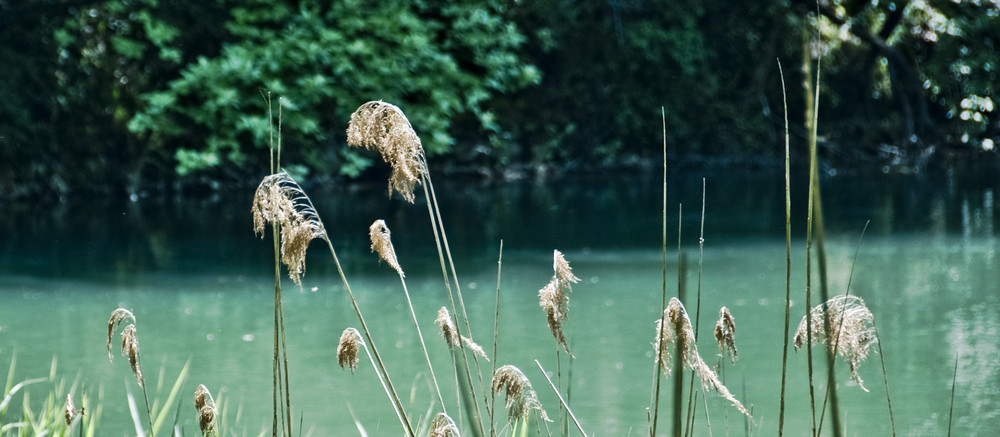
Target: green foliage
x: 437, y: 61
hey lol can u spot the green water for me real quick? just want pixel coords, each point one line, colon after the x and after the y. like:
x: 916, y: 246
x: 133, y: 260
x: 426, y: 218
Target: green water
x: 201, y: 287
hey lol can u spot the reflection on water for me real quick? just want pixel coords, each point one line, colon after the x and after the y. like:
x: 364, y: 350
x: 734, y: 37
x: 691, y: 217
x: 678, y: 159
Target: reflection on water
x: 197, y: 280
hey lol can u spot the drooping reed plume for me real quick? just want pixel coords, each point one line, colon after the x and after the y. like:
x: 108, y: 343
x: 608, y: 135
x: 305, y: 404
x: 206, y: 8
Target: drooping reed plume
x: 383, y: 127
x: 130, y: 349
x: 443, y: 426
x: 205, y: 405
x: 520, y: 396
x: 69, y: 410
x: 725, y: 333
x: 453, y: 338
x: 279, y: 200
x: 347, y: 349
x: 844, y: 325
x: 679, y: 332
x: 554, y: 297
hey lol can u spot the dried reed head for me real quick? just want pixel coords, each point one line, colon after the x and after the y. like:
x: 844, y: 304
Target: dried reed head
x: 520, y: 396
x: 677, y: 320
x: 347, y: 350
x: 725, y: 333
x: 554, y: 297
x: 448, y: 329
x: 205, y: 405
x: 443, y: 426
x: 383, y: 127
x: 281, y: 202
x: 130, y: 342
x: 843, y: 323
x: 117, y: 317
x: 378, y: 232
x: 474, y: 347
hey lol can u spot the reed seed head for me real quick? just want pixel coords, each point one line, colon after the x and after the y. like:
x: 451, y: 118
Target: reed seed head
x: 520, y: 396
x: 725, y: 333
x: 448, y: 329
x: 282, y: 203
x: 130, y: 349
x: 205, y: 405
x: 383, y: 127
x: 474, y: 347
x: 379, y: 234
x: 443, y: 426
x: 677, y: 320
x: 117, y: 316
x: 554, y: 297
x: 845, y: 324
x: 347, y: 350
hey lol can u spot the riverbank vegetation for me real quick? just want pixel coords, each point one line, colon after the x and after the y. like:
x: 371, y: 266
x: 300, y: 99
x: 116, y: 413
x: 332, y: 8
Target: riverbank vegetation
x: 126, y: 97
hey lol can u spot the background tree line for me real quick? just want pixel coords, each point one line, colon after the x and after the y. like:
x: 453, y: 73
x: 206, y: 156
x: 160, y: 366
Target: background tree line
x: 121, y: 96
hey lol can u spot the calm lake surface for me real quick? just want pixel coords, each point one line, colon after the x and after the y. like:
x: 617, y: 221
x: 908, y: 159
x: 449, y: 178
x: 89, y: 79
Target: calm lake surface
x: 201, y: 286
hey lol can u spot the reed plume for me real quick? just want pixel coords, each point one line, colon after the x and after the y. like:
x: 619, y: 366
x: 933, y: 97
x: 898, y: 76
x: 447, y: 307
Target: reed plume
x: 453, y: 338
x: 379, y: 234
x: 679, y: 332
x: 520, y: 396
x: 554, y: 297
x: 279, y: 200
x: 381, y: 126
x: 725, y: 333
x: 443, y: 426
x: 205, y: 404
x: 130, y: 349
x: 845, y: 325
x: 347, y: 349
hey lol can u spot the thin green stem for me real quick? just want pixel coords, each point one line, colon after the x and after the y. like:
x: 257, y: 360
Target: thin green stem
x: 496, y: 334
x: 423, y: 346
x: 788, y: 257
x: 663, y: 303
x: 561, y: 400
x: 885, y: 378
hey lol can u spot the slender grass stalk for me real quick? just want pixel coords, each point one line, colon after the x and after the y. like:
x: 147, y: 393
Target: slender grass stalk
x: 347, y: 357
x: 810, y: 210
x: 697, y: 312
x: 561, y: 400
x: 788, y: 257
x: 663, y: 303
x: 679, y: 418
x: 885, y: 378
x: 130, y: 349
x: 491, y: 406
x: 951, y: 405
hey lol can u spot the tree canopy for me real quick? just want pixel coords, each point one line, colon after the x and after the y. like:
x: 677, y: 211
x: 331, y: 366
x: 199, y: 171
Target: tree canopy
x: 121, y: 96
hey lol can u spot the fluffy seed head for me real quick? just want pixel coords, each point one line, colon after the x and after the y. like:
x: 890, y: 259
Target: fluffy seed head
x: 520, y: 396
x: 347, y: 350
x: 205, y: 405
x: 725, y: 333
x: 117, y: 316
x: 280, y: 201
x: 383, y: 127
x: 130, y: 349
x: 447, y: 325
x: 378, y: 232
x: 843, y: 323
x: 676, y: 319
x: 554, y: 297
x: 474, y: 347
x: 443, y: 426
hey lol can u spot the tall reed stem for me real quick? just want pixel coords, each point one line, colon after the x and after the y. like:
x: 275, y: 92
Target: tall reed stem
x: 420, y: 335
x: 561, y: 400
x: 663, y: 303
x: 496, y: 334
x: 788, y: 257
